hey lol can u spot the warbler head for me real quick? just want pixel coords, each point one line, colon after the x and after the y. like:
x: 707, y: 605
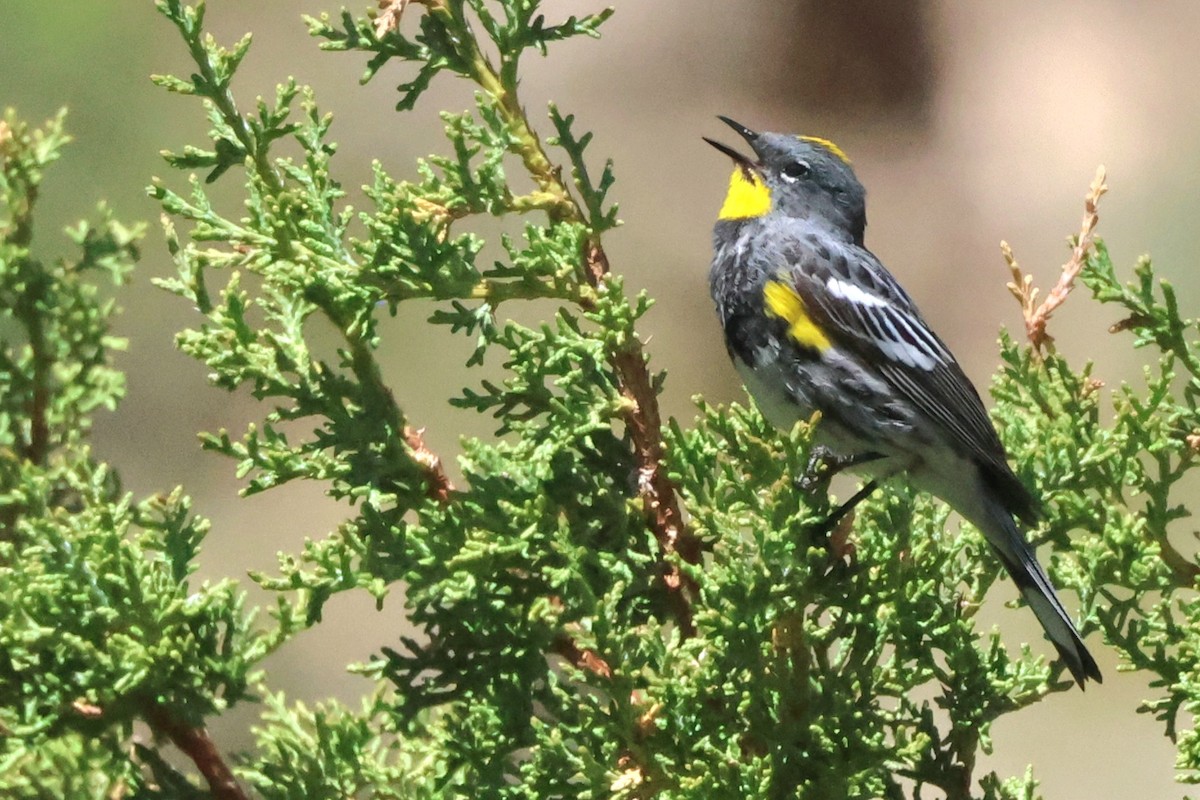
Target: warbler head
x: 794, y: 176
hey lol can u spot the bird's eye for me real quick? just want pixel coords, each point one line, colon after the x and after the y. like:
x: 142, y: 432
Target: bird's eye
x: 795, y: 170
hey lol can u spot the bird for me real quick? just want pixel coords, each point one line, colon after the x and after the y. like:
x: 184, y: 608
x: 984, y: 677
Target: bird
x: 814, y: 322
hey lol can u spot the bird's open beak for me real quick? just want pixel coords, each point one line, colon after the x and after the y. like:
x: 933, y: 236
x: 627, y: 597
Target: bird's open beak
x: 739, y: 159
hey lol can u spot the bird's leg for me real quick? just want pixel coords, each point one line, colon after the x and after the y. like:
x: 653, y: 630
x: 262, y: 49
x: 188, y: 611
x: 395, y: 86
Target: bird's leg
x: 830, y: 522
x: 833, y: 533
x: 823, y: 464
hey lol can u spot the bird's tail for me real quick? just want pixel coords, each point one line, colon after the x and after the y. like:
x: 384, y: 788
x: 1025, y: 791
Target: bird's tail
x: 1019, y: 559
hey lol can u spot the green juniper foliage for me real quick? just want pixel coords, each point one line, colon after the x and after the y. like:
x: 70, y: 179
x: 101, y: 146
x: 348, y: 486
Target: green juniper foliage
x: 99, y: 622
x: 609, y: 605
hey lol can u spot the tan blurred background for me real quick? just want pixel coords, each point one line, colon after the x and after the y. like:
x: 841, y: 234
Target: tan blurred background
x: 968, y: 123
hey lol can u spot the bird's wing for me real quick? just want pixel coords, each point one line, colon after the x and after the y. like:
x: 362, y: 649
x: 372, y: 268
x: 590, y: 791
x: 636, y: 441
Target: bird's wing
x: 862, y: 308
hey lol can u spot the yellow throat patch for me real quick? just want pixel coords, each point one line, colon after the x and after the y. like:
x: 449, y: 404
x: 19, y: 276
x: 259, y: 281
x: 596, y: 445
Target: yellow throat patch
x: 782, y: 301
x: 748, y: 196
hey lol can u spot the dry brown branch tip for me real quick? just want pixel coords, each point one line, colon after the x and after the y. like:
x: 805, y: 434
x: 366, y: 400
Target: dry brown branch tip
x: 1021, y: 287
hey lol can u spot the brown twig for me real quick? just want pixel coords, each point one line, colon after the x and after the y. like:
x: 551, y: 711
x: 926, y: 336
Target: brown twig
x: 87, y: 710
x: 197, y: 745
x: 388, y: 18
x: 438, y: 485
x: 660, y: 501
x: 580, y: 657
x: 119, y: 790
x: 1038, y: 316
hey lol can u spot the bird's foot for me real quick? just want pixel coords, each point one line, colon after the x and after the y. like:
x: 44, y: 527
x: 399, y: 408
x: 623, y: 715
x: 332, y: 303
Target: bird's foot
x: 823, y: 464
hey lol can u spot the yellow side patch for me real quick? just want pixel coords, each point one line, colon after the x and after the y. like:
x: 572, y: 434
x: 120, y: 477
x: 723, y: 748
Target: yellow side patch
x: 830, y: 146
x: 748, y: 196
x: 783, y: 302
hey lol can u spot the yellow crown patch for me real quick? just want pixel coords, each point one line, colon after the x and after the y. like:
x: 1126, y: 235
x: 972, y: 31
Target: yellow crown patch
x: 828, y: 145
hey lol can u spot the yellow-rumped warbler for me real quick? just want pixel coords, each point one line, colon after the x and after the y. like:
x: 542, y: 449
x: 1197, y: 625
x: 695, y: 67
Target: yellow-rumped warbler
x: 813, y: 322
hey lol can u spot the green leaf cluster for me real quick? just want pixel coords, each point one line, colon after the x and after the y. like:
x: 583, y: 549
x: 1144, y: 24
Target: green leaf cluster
x: 100, y: 623
x: 1125, y: 482
x: 605, y: 604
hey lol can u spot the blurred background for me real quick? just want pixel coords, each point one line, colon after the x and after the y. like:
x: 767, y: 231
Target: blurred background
x: 968, y: 123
